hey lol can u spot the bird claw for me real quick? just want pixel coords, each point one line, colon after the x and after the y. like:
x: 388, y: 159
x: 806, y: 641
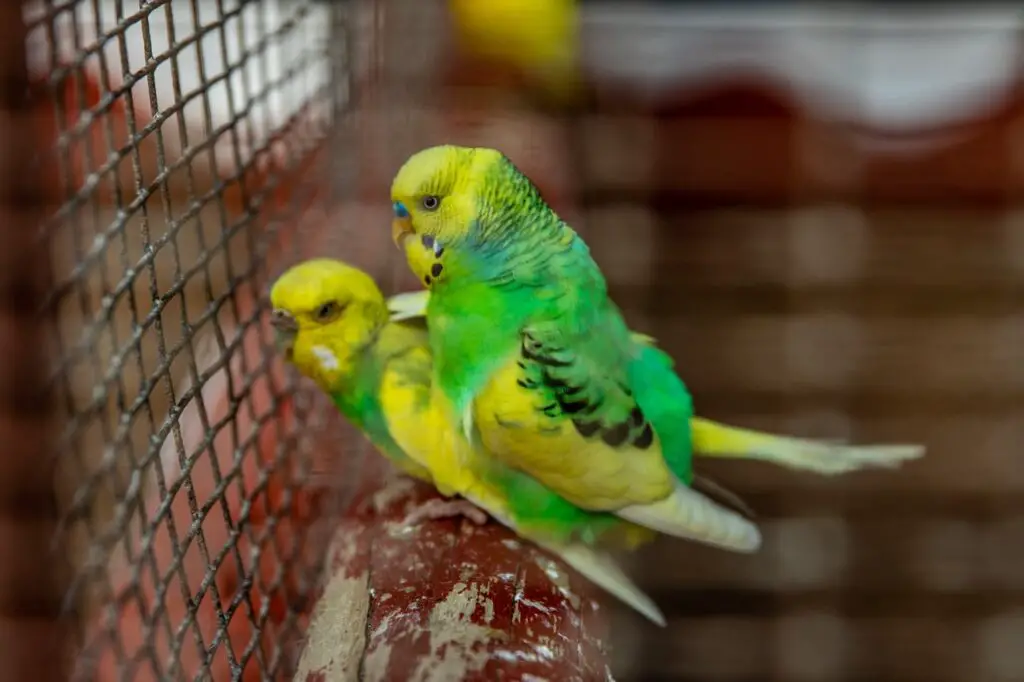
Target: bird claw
x: 438, y: 508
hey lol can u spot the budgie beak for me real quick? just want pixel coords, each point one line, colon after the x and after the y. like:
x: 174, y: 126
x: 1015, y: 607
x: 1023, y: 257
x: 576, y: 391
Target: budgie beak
x: 401, y: 229
x: 401, y: 224
x: 285, y: 330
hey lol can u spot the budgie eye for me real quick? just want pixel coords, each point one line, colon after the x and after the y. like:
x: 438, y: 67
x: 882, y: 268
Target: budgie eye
x: 328, y: 311
x: 431, y: 202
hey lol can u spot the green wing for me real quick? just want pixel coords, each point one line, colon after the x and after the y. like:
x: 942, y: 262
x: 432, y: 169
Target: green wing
x: 628, y: 447
x: 586, y: 379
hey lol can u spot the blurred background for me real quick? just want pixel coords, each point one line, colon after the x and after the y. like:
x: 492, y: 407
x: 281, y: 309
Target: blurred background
x: 818, y: 212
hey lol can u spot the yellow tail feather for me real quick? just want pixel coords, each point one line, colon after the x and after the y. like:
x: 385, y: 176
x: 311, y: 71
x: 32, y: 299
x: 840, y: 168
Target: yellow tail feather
x: 711, y: 439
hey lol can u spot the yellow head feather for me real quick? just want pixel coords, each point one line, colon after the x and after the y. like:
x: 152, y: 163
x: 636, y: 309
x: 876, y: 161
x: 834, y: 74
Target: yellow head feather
x: 436, y: 198
x: 327, y: 311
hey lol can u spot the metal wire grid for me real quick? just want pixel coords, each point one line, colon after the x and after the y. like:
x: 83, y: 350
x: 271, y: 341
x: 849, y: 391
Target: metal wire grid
x: 171, y: 307
x: 163, y: 240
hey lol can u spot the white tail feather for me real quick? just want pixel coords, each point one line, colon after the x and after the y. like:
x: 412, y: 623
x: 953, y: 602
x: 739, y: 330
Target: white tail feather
x: 602, y: 570
x: 691, y: 515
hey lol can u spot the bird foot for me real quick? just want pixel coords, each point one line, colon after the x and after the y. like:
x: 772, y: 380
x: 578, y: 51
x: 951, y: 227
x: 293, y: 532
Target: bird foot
x: 392, y: 489
x: 438, y: 508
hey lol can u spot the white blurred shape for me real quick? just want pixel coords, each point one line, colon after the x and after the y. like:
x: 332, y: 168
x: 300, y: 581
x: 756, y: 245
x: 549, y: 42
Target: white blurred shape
x: 899, y: 72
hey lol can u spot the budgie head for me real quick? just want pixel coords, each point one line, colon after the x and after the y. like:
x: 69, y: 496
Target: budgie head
x: 325, y: 313
x: 451, y: 201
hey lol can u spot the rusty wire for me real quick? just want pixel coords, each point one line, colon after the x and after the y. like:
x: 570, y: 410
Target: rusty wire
x: 185, y: 138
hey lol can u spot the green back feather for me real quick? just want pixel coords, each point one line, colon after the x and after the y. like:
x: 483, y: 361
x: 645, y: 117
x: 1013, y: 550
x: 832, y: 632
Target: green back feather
x: 668, y: 405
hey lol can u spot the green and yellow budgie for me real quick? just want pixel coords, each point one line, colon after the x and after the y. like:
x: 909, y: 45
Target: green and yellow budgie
x: 534, y: 363
x: 332, y: 323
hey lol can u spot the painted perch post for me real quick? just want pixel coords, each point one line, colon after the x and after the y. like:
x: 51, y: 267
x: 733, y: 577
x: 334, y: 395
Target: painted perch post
x: 447, y: 600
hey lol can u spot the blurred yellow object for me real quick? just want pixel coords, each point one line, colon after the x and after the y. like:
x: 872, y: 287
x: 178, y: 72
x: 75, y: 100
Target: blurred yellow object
x: 538, y: 37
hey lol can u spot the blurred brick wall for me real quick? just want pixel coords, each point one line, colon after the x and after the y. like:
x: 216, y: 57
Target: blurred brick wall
x: 807, y: 289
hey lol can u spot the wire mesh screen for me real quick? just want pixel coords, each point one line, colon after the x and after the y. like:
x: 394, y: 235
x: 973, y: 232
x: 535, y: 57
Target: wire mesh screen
x: 185, y: 135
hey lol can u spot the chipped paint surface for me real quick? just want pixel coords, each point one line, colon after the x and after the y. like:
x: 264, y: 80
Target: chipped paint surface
x: 458, y: 646
x: 448, y: 600
x: 336, y: 637
x: 559, y: 577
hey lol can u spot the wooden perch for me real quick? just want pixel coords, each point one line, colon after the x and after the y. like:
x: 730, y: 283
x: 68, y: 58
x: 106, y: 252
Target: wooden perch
x: 447, y: 600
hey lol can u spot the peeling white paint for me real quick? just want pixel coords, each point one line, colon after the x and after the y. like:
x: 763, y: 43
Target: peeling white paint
x: 455, y: 641
x: 533, y: 604
x: 336, y: 636
x: 384, y: 626
x: 559, y: 578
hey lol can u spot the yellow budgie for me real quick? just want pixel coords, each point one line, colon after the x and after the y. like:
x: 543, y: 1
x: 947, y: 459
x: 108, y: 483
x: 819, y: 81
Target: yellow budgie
x: 540, y: 37
x: 333, y: 324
